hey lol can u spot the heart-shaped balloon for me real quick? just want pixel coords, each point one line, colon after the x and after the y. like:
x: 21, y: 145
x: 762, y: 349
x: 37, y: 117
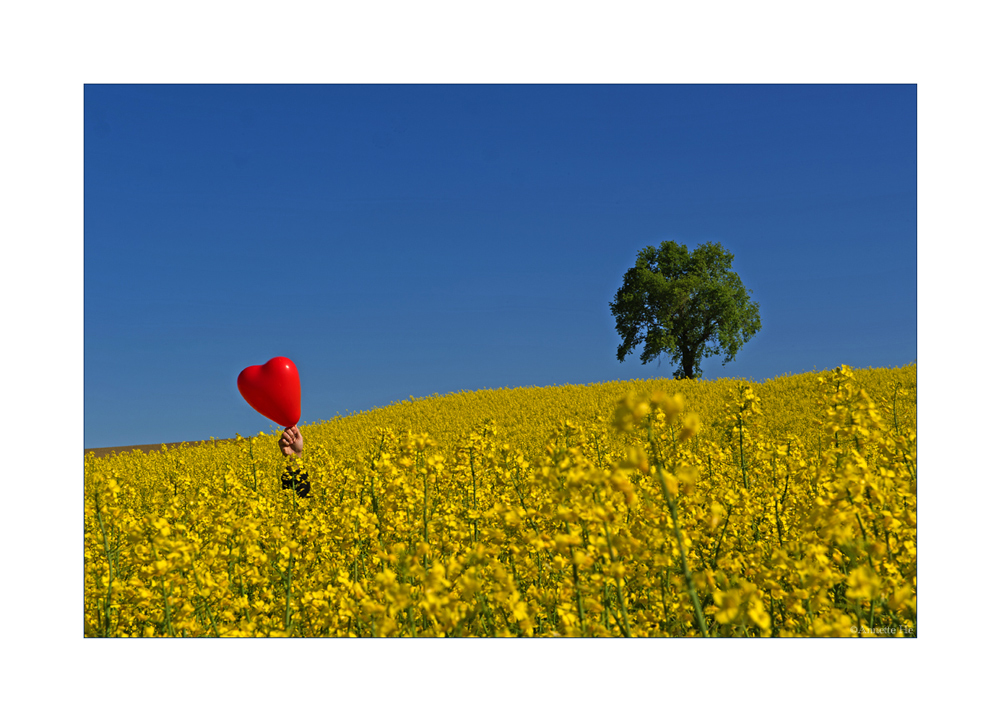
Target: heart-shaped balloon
x: 273, y: 390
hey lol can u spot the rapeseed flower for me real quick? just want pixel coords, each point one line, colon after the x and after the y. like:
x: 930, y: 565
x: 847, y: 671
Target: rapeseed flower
x: 789, y: 507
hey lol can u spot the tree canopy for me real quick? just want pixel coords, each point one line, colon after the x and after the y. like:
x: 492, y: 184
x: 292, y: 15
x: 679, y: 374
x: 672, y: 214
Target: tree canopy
x: 690, y: 305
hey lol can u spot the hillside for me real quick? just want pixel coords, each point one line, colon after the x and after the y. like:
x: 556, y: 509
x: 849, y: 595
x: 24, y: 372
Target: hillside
x: 640, y: 508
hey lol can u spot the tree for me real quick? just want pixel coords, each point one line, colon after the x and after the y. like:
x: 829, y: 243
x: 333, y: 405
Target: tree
x: 690, y: 305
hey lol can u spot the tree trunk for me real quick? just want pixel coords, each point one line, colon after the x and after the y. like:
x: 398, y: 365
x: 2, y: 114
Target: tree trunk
x: 687, y: 364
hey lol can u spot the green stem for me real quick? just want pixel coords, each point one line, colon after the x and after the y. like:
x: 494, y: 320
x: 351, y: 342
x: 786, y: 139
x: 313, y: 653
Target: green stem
x: 777, y: 521
x: 107, y: 556
x: 579, y: 600
x: 743, y: 465
x: 718, y: 541
x: 627, y: 629
x: 692, y: 592
x: 576, y: 589
x: 253, y: 465
x: 208, y: 612
x: 475, y: 522
x: 672, y: 505
x: 664, y: 581
x: 166, y: 608
x: 288, y: 591
x: 895, y: 423
x: 426, y: 536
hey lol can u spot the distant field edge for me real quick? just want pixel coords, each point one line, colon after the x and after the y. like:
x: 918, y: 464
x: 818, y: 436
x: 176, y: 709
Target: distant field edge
x: 101, y: 452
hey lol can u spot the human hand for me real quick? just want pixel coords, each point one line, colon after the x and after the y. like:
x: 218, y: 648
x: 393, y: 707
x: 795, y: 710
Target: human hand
x: 291, y: 441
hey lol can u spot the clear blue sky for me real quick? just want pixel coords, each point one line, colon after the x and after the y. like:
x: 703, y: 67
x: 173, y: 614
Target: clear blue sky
x: 420, y: 239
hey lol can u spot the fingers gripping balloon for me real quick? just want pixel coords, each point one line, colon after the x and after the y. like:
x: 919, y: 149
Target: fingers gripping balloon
x: 273, y: 390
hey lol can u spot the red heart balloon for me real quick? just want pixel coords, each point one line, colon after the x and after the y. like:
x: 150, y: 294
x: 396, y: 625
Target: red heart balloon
x: 273, y: 390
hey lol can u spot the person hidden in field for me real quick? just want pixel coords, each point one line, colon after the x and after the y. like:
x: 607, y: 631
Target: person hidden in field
x: 291, y: 444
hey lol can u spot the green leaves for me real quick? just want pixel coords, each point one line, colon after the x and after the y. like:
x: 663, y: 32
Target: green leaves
x: 689, y: 305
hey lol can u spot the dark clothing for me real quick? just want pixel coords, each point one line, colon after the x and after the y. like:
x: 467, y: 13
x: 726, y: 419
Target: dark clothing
x: 299, y: 480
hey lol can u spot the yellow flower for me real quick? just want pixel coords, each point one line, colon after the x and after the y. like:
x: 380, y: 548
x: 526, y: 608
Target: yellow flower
x: 729, y: 605
x: 689, y: 426
x: 427, y: 520
x: 863, y: 584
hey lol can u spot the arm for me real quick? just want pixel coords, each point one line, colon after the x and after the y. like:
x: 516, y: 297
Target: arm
x: 291, y: 444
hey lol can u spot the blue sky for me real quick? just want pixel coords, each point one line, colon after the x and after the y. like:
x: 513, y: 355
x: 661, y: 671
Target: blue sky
x: 398, y: 240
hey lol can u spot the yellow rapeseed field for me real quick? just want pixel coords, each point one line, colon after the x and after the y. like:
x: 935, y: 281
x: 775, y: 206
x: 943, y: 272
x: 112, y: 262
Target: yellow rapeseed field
x: 640, y: 508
